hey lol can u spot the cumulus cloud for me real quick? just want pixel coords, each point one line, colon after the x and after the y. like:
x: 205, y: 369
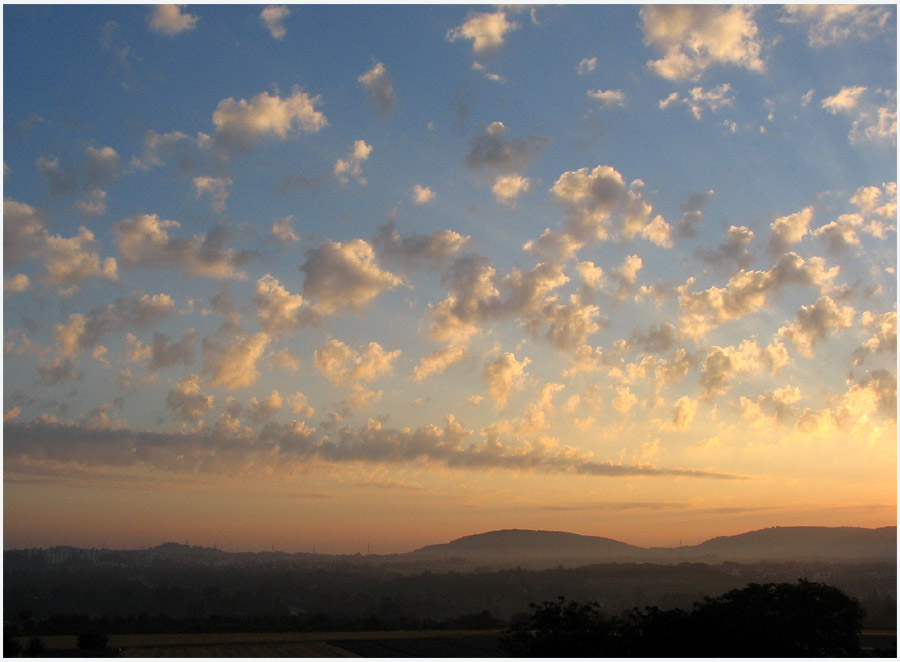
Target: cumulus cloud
x: 263, y: 409
x: 143, y: 241
x: 723, y: 364
x: 169, y: 20
x: 833, y: 23
x: 217, y: 188
x: 344, y: 275
x: 683, y: 412
x: 747, y: 291
x: 240, y: 124
x: 273, y: 18
x: 61, y: 181
x: 504, y: 375
x: 411, y: 250
x: 344, y: 366
x: 714, y: 99
x: 422, y: 194
x: 285, y: 359
x: 486, y: 30
x: 871, y: 121
x: 380, y: 87
x: 278, y: 310
x: 136, y: 311
x: 16, y: 284
x: 491, y: 148
x: 507, y: 188
x: 188, y: 401
x: 884, y: 336
x: 694, y: 37
x: 733, y: 252
x: 439, y: 361
x: 352, y: 165
x: 816, y: 323
x: 232, y: 360
x: 607, y: 98
x: 789, y: 230
x: 69, y: 260
x: 101, y: 166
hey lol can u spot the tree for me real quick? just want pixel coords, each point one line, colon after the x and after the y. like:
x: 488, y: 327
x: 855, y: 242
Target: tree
x: 93, y: 640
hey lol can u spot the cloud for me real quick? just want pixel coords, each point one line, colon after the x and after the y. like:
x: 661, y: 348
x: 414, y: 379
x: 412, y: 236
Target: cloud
x: 683, y: 412
x: 722, y: 364
x: 789, y: 230
x: 659, y: 232
x: 285, y: 448
x: 70, y: 260
x: 378, y: 84
x: 833, y: 23
x: 714, y: 99
x: 273, y: 18
x: 344, y: 275
x: 188, y: 401
x: 413, y: 249
x: 260, y: 410
x: 352, y: 165
x: 143, y: 241
x: 344, y: 366
x: 57, y: 370
x: 283, y: 231
x: 101, y: 166
x: 285, y: 359
x: 507, y: 188
x: 504, y: 375
x: 217, y: 188
x: 169, y: 21
x: 23, y: 232
x: 485, y: 30
x: 871, y: 121
x: 92, y: 204
x: 278, y: 310
x: 746, y: 292
x: 422, y: 194
x: 657, y: 338
x: 733, y: 252
x: 884, y: 338
x: 16, y: 284
x: 607, y: 98
x: 233, y: 360
x: 439, y: 361
x: 695, y: 37
x: 492, y: 149
x: 586, y: 66
x: 136, y: 311
x: 240, y: 124
x: 815, y: 323
x: 61, y: 181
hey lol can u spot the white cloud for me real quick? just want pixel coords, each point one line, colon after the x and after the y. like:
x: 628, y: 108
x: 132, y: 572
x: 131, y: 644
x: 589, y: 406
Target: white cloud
x: 239, y: 124
x: 344, y: 275
x: 344, y: 366
x: 607, y: 98
x: 352, y: 165
x: 683, y: 412
x: 486, y: 30
x: 263, y: 409
x: 507, y: 188
x: 16, y: 284
x: 830, y: 24
x: 278, y: 310
x: 504, y: 375
x: 871, y: 121
x: 273, y: 18
x: 695, y: 37
x: 722, y: 364
x: 714, y: 99
x: 380, y: 87
x: 410, y: 250
x: 169, y: 21
x: 23, y: 232
x: 422, y: 194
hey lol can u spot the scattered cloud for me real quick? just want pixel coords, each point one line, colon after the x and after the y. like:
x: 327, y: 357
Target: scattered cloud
x: 380, y: 87
x: 492, y: 149
x: 871, y: 121
x: 486, y: 30
x: 832, y: 24
x: 504, y: 375
x: 273, y: 18
x: 352, y: 165
x: 714, y: 99
x: 507, y: 188
x: 240, y: 124
x: 188, y: 401
x: 169, y: 20
x: 607, y: 98
x: 586, y: 66
x: 345, y: 366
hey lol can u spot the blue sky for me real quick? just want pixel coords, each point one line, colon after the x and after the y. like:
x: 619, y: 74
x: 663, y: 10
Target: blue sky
x: 406, y: 273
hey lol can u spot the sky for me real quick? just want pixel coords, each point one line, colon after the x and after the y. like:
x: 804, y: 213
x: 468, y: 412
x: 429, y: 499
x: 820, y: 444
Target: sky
x: 375, y: 277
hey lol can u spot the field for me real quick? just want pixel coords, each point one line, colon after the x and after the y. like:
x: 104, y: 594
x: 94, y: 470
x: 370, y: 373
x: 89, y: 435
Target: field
x: 448, y: 643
